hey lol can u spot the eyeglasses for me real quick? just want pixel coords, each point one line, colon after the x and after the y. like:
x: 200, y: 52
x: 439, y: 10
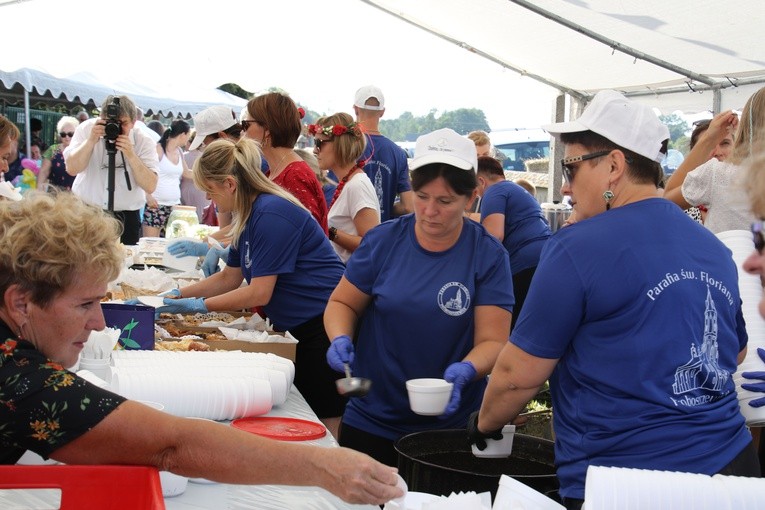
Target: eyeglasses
x: 246, y: 124
x: 758, y: 236
x: 569, y: 169
x: 64, y: 134
x: 318, y: 142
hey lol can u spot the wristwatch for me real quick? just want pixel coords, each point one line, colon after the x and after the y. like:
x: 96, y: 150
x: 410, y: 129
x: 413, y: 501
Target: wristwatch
x: 332, y: 233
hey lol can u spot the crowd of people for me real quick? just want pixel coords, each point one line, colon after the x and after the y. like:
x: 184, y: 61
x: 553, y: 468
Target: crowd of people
x: 388, y: 268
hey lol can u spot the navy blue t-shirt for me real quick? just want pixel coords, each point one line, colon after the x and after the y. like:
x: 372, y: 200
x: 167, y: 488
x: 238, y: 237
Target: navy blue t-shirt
x: 285, y: 240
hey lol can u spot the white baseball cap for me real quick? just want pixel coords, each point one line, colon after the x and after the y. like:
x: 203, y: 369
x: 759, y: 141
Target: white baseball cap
x: 367, y: 92
x: 210, y: 121
x: 445, y: 146
x: 626, y: 123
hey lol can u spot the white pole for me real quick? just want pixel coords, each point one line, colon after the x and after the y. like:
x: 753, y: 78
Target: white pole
x: 27, y: 121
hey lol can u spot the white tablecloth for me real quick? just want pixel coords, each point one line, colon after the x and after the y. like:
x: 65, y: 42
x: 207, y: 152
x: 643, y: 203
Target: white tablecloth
x: 267, y: 497
x: 222, y: 496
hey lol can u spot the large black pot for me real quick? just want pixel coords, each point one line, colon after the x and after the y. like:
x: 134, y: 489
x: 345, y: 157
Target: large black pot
x: 441, y: 462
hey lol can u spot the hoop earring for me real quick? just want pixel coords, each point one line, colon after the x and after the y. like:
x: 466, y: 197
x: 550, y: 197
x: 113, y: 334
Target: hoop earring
x: 608, y: 195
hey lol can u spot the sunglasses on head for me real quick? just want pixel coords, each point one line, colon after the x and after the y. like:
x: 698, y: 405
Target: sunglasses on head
x: 64, y: 134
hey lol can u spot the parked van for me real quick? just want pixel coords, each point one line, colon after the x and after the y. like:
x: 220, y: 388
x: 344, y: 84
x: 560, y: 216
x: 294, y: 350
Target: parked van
x: 518, y: 145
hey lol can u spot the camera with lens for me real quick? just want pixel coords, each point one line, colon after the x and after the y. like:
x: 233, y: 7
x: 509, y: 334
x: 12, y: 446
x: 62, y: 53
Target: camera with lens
x: 113, y: 127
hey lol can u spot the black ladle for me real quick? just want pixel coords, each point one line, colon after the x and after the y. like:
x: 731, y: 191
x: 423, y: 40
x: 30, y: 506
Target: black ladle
x: 352, y: 386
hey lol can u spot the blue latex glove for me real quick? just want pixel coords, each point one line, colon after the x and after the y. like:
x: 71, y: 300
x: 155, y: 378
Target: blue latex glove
x: 171, y: 292
x: 187, y: 248
x: 133, y: 302
x: 183, y: 305
x: 210, y: 264
x: 340, y: 352
x: 758, y: 387
x: 459, y: 374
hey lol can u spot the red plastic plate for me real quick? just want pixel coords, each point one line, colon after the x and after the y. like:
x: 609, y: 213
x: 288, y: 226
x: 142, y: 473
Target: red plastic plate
x: 285, y: 429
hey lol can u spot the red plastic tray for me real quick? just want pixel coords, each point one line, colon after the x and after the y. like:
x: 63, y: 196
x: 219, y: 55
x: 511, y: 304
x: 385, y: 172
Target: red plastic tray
x: 101, y: 487
x: 284, y: 429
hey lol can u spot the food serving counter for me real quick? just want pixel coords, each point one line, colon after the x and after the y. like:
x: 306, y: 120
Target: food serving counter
x: 267, y: 497
x: 220, y: 496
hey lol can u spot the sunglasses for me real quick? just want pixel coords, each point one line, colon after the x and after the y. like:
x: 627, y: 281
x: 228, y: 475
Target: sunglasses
x: 569, y: 168
x: 64, y: 134
x: 246, y: 124
x: 319, y: 142
x: 757, y: 235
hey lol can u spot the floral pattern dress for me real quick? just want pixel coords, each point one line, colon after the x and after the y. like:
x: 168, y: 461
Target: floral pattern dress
x: 58, y: 176
x: 43, y: 406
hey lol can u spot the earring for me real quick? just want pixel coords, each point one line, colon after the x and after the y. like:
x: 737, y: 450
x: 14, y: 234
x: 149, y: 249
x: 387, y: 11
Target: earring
x: 608, y: 195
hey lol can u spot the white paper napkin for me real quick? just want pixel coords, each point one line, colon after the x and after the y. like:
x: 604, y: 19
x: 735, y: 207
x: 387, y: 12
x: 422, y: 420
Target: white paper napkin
x: 100, y: 344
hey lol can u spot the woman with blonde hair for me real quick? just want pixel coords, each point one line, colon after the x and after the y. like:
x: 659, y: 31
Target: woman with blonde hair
x: 9, y: 134
x: 339, y: 143
x: 282, y: 253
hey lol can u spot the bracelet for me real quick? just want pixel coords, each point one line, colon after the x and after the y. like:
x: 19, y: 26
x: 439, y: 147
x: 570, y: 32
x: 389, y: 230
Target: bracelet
x: 332, y: 233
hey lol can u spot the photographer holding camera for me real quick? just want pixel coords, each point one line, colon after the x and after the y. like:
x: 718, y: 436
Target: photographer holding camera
x: 111, y: 137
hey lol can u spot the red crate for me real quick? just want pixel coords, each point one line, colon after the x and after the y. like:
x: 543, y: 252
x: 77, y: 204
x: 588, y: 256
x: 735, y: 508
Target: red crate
x: 91, y: 487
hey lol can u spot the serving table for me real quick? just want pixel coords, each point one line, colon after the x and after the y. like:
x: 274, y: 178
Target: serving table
x: 267, y: 497
x: 223, y: 496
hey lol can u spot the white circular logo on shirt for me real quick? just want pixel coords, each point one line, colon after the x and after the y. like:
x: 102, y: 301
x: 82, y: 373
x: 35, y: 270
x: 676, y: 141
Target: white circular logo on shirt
x: 454, y: 299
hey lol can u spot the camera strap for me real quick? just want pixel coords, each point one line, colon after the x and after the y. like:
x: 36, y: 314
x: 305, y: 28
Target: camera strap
x: 127, y: 175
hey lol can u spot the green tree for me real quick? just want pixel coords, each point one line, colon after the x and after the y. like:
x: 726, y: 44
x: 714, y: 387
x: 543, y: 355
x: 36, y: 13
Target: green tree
x: 233, y: 88
x: 678, y: 127
x: 463, y: 120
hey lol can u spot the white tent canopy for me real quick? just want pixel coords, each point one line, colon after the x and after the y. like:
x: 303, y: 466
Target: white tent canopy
x: 39, y: 87
x: 684, y: 55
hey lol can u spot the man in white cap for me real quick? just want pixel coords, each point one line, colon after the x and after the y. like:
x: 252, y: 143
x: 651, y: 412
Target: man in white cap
x: 213, y: 123
x: 386, y: 163
x: 633, y: 315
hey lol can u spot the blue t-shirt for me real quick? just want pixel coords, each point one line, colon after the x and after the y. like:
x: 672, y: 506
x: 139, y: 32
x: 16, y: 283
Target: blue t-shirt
x: 285, y: 240
x: 641, y: 306
x: 525, y: 227
x: 388, y: 170
x: 420, y: 319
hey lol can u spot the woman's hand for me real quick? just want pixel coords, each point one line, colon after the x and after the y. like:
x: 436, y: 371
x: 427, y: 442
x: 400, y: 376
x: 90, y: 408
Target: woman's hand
x: 183, y: 305
x: 459, y: 374
x: 151, y: 202
x: 340, y: 353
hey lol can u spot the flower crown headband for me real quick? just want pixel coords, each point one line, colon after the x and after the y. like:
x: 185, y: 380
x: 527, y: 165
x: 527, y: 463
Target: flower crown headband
x: 337, y: 130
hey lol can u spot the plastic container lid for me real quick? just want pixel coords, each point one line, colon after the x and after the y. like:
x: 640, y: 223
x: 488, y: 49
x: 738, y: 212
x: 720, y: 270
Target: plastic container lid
x: 285, y: 429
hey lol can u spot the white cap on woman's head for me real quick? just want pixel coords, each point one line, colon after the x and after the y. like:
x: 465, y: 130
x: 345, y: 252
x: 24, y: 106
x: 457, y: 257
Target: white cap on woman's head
x: 445, y: 146
x: 626, y: 123
x: 210, y: 121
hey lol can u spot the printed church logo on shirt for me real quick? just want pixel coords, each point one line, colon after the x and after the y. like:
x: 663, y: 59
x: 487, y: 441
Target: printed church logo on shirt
x: 701, y: 380
x: 454, y: 299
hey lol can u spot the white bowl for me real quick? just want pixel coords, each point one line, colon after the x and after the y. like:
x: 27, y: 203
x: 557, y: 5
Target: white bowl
x: 172, y: 484
x: 428, y: 397
x: 498, y: 448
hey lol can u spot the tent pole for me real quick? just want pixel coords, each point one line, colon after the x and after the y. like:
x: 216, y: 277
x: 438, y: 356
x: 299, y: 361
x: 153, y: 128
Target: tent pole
x: 614, y: 44
x: 27, y: 122
x: 716, y: 101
